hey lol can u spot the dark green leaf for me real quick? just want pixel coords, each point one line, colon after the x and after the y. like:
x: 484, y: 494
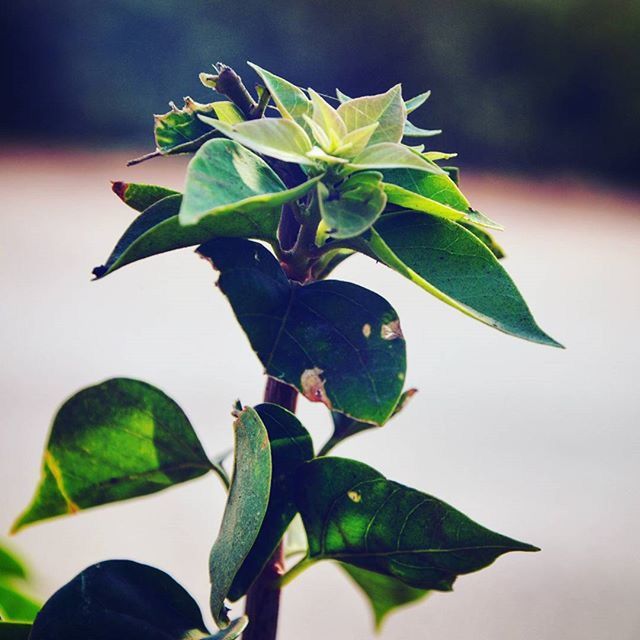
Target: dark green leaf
x: 120, y: 600
x: 223, y: 176
x: 384, y: 593
x: 353, y: 514
x: 10, y: 565
x: 158, y: 230
x: 245, y: 510
x: 140, y: 196
x: 180, y: 127
x: 344, y: 427
x: 113, y: 441
x: 487, y: 239
x: 290, y: 446
x: 431, y: 193
x: 336, y: 342
x: 354, y: 206
x: 15, y: 605
x: 14, y: 631
x: 452, y: 264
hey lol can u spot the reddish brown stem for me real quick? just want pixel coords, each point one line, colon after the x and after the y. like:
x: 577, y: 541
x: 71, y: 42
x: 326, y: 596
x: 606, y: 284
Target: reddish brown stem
x: 263, y: 598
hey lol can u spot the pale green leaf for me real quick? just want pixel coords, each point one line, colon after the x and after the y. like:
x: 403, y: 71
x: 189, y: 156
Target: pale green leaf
x: 328, y: 118
x: 411, y: 131
x: 227, y: 112
x: 391, y: 155
x: 414, y: 103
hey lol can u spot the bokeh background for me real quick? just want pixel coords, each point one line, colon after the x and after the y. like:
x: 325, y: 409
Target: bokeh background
x: 542, y: 101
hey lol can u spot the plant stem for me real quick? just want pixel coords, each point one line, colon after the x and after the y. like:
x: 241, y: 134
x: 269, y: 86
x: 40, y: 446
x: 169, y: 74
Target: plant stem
x: 263, y: 598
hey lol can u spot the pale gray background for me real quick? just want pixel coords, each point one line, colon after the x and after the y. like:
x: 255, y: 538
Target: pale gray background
x: 537, y: 443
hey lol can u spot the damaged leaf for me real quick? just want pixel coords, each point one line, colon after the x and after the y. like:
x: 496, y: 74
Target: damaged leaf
x: 310, y: 336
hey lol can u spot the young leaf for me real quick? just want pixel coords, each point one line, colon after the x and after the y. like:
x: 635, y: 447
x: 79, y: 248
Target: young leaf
x: 354, y: 206
x: 455, y: 266
x: 411, y: 131
x: 140, y: 196
x: 414, y: 103
x: 434, y: 194
x: 291, y: 101
x: 15, y: 606
x: 114, y: 441
x: 353, y: 514
x: 158, y: 230
x: 328, y: 118
x: 180, y: 127
x: 14, y: 630
x: 386, y: 108
x: 120, y: 599
x: 355, y: 142
x: 336, y: 342
x: 344, y: 427
x: 273, y: 137
x: 384, y: 593
x: 290, y: 445
x: 390, y: 155
x: 224, y: 176
x: 245, y: 511
x: 227, y: 112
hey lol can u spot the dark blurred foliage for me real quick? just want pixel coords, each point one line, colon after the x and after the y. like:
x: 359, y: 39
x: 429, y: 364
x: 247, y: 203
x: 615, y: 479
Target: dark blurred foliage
x: 538, y: 85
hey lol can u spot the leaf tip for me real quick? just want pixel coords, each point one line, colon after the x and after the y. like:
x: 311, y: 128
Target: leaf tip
x: 119, y: 188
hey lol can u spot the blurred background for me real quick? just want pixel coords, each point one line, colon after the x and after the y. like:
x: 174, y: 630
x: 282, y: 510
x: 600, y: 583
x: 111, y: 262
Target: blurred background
x: 542, y: 101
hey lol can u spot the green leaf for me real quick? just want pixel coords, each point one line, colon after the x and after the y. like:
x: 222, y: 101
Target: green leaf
x: 328, y: 118
x: 487, y: 239
x: 227, y: 112
x: 273, y: 137
x: 233, y: 631
x: 324, y: 266
x: 336, y: 342
x: 120, y: 599
x: 245, y: 511
x: 344, y: 427
x: 15, y: 606
x: 224, y: 177
x: 434, y: 194
x: 384, y: 593
x: 386, y: 108
x: 14, y: 630
x: 390, y: 155
x: 354, y: 515
x: 352, y: 207
x: 456, y: 267
x: 158, y: 230
x: 181, y: 127
x: 140, y: 196
x: 414, y: 103
x: 114, y: 441
x: 291, y: 101
x: 290, y: 445
x: 411, y: 131
x: 10, y: 565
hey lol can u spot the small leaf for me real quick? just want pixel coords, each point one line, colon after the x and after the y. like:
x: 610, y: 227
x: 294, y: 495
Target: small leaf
x: 15, y: 606
x: 290, y: 100
x: 227, y: 112
x: 354, y: 205
x: 123, y: 600
x: 355, y: 142
x: 455, y: 266
x: 158, y: 230
x: 14, y: 630
x: 434, y: 194
x: 411, y: 131
x: 140, y: 196
x: 414, y: 103
x: 245, y: 511
x: 336, y: 342
x: 354, y: 515
x: 290, y: 445
x: 344, y: 427
x: 389, y: 155
x: 273, y: 137
x: 386, y: 108
x: 114, y: 441
x: 328, y: 118
x: 384, y: 593
x: 224, y: 176
x: 181, y: 127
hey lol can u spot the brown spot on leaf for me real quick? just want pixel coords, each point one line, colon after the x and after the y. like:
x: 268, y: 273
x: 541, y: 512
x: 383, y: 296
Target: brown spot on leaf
x: 366, y: 330
x: 391, y: 330
x: 354, y: 496
x: 313, y: 386
x: 119, y: 188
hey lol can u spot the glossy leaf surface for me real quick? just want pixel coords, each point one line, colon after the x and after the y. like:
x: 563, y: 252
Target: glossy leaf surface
x: 384, y: 593
x: 114, y: 441
x: 224, y: 176
x: 245, y: 510
x: 123, y: 600
x: 455, y: 266
x: 290, y: 445
x: 336, y: 342
x: 353, y: 514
